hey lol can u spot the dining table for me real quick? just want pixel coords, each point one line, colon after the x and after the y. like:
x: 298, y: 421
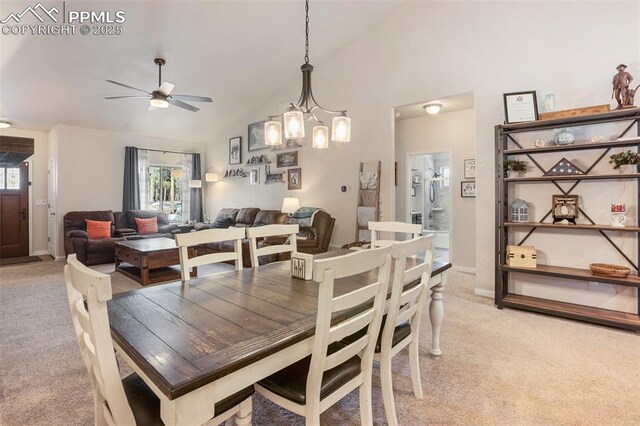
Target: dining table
x: 196, y: 343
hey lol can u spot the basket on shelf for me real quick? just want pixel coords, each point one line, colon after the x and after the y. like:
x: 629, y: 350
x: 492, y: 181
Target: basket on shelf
x: 609, y: 270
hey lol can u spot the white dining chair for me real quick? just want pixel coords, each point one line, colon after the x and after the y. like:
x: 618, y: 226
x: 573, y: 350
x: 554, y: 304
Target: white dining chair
x: 401, y: 326
x: 334, y: 369
x: 260, y: 232
x: 376, y: 228
x: 127, y: 401
x: 194, y: 239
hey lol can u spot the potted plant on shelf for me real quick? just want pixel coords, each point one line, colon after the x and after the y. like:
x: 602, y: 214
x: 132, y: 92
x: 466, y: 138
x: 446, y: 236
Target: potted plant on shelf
x: 515, y: 166
x: 626, y: 162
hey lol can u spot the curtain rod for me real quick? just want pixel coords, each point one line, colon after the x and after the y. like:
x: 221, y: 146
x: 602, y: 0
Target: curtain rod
x: 165, y: 151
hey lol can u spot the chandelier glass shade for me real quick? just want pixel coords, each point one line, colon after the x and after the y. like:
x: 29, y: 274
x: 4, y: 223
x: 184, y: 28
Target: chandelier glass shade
x: 305, y: 109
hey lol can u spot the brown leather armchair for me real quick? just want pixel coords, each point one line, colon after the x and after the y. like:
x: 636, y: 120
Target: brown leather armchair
x: 76, y: 240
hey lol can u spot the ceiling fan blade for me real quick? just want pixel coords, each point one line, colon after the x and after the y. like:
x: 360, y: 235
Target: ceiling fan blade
x: 166, y: 88
x: 130, y: 87
x: 181, y: 104
x: 191, y: 98
x: 126, y: 97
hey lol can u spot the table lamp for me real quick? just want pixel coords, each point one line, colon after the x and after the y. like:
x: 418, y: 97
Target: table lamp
x: 290, y: 205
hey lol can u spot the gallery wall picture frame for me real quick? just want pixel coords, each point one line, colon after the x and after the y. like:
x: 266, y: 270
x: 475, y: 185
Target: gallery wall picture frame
x: 256, y: 136
x: 468, y: 189
x: 235, y: 150
x: 294, y: 178
x: 254, y: 177
x: 520, y: 107
x: 470, y: 168
x: 287, y: 159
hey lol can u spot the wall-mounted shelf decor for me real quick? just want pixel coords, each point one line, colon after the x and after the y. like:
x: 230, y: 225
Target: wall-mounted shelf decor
x: 507, y: 145
x: 235, y: 174
x: 257, y: 160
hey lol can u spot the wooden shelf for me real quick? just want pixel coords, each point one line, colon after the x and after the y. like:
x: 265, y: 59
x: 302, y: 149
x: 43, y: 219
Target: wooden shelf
x: 575, y: 273
x: 569, y: 310
x: 573, y: 177
x: 580, y: 120
x: 578, y: 147
x: 578, y: 226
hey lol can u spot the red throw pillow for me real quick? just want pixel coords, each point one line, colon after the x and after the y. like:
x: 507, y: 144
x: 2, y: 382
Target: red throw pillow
x: 98, y: 228
x: 147, y: 226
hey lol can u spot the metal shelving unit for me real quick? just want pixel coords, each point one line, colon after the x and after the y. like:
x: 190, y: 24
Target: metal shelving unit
x: 507, y: 145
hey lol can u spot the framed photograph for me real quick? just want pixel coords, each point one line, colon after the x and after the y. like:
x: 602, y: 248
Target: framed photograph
x: 235, y: 150
x: 565, y: 207
x: 256, y: 136
x: 470, y: 168
x: 468, y: 189
x: 287, y: 159
x: 520, y: 107
x: 254, y: 177
x: 295, y: 178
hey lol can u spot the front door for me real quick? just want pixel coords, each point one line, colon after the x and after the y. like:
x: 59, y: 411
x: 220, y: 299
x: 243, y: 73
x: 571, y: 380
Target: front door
x: 14, y: 211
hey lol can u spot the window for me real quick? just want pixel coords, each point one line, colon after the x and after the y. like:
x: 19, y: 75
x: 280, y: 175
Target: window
x: 165, y: 191
x: 9, y: 178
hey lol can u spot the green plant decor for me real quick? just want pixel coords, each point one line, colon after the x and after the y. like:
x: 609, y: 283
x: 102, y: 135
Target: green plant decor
x: 515, y: 166
x: 624, y: 158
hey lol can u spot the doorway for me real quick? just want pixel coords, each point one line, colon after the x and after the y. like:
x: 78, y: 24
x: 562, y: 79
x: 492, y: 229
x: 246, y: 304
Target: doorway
x: 14, y: 211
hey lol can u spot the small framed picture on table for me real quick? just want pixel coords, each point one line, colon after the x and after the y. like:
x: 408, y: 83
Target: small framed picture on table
x: 468, y: 189
x: 520, y: 107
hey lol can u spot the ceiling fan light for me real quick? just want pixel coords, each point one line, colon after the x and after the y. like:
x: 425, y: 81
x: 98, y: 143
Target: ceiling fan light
x: 341, y: 129
x: 293, y: 123
x: 159, y: 103
x: 432, y: 109
x: 272, y: 133
x: 5, y: 124
x: 320, y: 136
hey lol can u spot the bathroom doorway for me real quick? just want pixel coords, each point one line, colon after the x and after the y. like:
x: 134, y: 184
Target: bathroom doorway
x: 429, y: 196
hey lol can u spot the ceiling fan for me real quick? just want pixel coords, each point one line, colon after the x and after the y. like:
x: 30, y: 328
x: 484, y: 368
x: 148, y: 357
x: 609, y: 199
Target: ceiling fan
x: 162, y: 97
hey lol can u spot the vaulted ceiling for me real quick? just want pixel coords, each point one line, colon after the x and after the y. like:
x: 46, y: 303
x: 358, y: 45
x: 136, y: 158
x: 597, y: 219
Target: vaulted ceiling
x: 237, y: 52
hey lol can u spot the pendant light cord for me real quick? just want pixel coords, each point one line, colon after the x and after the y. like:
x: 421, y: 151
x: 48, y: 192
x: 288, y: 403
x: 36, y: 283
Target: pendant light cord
x: 306, y: 34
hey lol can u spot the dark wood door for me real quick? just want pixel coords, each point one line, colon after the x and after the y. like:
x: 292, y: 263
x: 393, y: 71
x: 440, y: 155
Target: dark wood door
x: 14, y: 210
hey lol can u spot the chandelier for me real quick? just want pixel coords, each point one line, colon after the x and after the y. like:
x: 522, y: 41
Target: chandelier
x: 305, y: 109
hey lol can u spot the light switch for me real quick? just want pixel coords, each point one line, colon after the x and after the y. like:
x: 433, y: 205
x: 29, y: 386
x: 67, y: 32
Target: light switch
x: 41, y: 202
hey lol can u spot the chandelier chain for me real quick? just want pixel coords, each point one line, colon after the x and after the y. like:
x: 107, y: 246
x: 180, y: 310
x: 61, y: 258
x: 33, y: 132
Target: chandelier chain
x: 306, y: 45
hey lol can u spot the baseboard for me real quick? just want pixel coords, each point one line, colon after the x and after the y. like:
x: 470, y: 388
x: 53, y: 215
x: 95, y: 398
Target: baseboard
x: 60, y: 258
x: 40, y: 253
x: 484, y: 293
x: 464, y: 269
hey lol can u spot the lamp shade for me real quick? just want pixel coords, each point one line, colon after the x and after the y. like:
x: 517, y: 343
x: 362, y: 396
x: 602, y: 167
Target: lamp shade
x: 290, y: 205
x: 272, y: 133
x: 195, y: 183
x: 211, y: 177
x: 320, y: 136
x: 293, y: 123
x: 341, y: 129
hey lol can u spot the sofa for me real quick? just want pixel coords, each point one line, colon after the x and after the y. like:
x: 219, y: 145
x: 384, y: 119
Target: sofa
x: 123, y: 227
x: 313, y: 240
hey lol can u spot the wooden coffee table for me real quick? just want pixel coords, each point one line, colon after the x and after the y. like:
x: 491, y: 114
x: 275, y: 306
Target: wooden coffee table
x: 150, y: 261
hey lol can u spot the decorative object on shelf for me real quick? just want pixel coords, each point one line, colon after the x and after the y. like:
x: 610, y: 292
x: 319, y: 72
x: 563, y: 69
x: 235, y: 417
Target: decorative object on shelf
x: 235, y: 173
x: 564, y: 167
x: 235, y: 150
x: 295, y: 178
x: 565, y: 209
x: 468, y: 189
x: 272, y: 177
x: 621, y: 83
x: 254, y: 177
x: 539, y: 143
x: 550, y: 102
x: 521, y: 256
x: 520, y: 107
x: 258, y: 160
x: 597, y: 139
x: 470, y: 168
x: 287, y: 159
x: 305, y: 109
x: 564, y: 137
x: 518, y: 166
x: 609, y: 270
x: 631, y: 94
x: 617, y: 217
x: 626, y: 161
x: 302, y: 266
x: 519, y: 211
x: 575, y: 112
x: 256, y: 136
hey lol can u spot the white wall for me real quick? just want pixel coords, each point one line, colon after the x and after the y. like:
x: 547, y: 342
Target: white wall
x: 90, y: 168
x: 38, y: 189
x: 429, y: 50
x: 452, y: 132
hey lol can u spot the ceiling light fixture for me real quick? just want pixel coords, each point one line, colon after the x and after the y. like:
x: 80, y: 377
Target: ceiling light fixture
x: 305, y: 109
x: 5, y: 124
x: 432, y: 109
x: 159, y: 101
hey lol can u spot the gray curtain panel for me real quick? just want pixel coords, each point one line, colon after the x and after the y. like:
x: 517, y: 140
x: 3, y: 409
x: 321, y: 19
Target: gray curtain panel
x: 196, y: 193
x: 131, y: 189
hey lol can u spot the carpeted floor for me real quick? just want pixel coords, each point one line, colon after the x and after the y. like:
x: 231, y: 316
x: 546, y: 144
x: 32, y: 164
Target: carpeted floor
x: 498, y: 367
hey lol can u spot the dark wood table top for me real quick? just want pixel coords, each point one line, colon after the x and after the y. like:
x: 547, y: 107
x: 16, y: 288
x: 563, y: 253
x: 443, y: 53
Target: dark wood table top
x: 146, y: 245
x: 183, y: 337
